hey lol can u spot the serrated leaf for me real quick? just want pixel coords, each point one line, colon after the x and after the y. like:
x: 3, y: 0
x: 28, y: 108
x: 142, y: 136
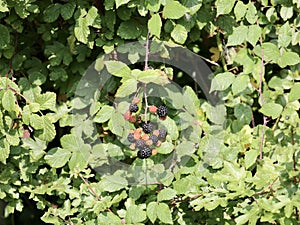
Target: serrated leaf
x: 174, y: 10
x: 52, y: 12
x: 216, y: 114
x: 294, y: 93
x: 185, y: 148
x: 127, y: 88
x: 179, y: 34
x: 288, y: 59
x: 82, y: 30
x: 243, y: 113
x: 36, y: 147
x: 116, y: 123
x: 224, y: 6
x: 113, y: 183
x: 251, y: 13
x: 191, y: 99
x: 135, y: 214
x: 238, y: 36
x: 67, y: 10
x: 166, y: 194
x: 286, y: 12
x: 46, y: 101
x: 154, y: 25
x: 240, y: 84
x: 152, y: 76
x: 104, y: 114
x: 4, y: 36
x: 250, y: 158
x: 164, y: 213
x: 57, y: 157
x: 9, y: 101
x: 4, y: 150
x: 48, y: 129
x: 117, y: 68
x: 222, y: 81
x: 3, y: 7
x: 171, y: 127
x: 269, y: 50
x: 271, y: 109
x: 254, y: 33
x: 152, y: 211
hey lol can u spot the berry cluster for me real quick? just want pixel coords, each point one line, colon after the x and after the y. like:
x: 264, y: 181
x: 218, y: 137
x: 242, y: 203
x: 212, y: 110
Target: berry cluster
x: 145, y: 138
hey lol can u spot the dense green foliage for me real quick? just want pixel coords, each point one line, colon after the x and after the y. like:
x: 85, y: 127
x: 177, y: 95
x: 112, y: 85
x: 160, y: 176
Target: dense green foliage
x: 236, y: 162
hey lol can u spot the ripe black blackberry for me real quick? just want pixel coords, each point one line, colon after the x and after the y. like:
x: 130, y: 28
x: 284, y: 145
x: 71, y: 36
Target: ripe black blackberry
x: 140, y: 144
x: 162, y: 134
x: 147, y: 128
x: 131, y: 138
x: 144, y: 153
x: 133, y: 108
x: 154, y: 139
x: 162, y: 111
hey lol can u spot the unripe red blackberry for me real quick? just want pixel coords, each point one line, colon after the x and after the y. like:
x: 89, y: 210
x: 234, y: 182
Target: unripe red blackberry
x: 144, y: 153
x: 162, y: 111
x: 133, y: 108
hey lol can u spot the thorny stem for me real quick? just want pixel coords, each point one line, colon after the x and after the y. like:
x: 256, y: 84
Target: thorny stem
x: 261, y: 73
x: 294, y: 166
x: 147, y: 51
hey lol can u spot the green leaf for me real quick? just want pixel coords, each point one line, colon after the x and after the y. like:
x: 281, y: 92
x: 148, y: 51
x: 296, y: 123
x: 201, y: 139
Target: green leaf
x: 9, y: 101
x: 4, y: 150
x: 284, y: 35
x: 67, y: 10
x: 127, y: 88
x: 179, y: 34
x: 57, y: 157
x: 114, y: 182
x: 286, y: 12
x: 165, y: 148
x: 254, y: 33
x: 250, y: 158
x: 243, y: 113
x: 288, y: 59
x: 222, y: 81
x: 185, y: 148
x: 116, y: 123
x: 118, y: 68
x: 152, y: 211
x: 251, y: 13
x: 224, y: 6
x: 270, y: 51
x: 154, y: 25
x: 164, y: 213
x: 46, y: 101
x: 166, y: 194
x: 104, y: 114
x: 171, y: 127
x: 294, y: 93
x: 130, y: 29
x: 238, y: 36
x: 82, y: 30
x: 216, y: 114
x: 135, y: 214
x: 240, y: 10
x: 271, y: 109
x: 47, y: 129
x: 3, y: 7
x: 52, y: 12
x: 240, y: 84
x: 4, y: 36
x: 152, y: 76
x: 36, y: 147
x: 174, y: 10
x: 121, y: 2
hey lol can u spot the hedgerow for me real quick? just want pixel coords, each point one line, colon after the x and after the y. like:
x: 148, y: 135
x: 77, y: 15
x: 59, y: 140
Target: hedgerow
x: 107, y: 116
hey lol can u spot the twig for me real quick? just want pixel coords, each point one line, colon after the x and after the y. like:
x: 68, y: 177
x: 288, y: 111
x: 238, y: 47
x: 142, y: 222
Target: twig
x: 261, y: 73
x: 92, y: 190
x: 147, y: 51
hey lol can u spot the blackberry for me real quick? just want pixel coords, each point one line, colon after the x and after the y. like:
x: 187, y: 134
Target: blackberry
x: 147, y: 128
x: 133, y: 108
x: 162, y: 134
x: 144, y: 153
x: 131, y: 138
x: 140, y: 144
x: 162, y: 111
x: 154, y: 139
